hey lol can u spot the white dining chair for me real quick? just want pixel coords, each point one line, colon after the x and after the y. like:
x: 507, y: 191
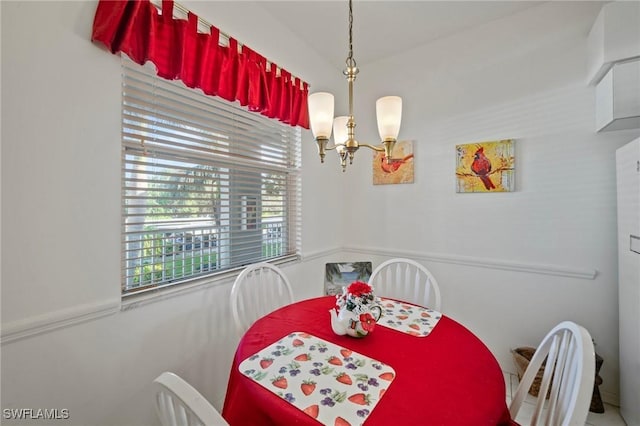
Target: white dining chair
x: 259, y: 289
x: 180, y: 404
x: 407, y: 280
x: 569, y: 372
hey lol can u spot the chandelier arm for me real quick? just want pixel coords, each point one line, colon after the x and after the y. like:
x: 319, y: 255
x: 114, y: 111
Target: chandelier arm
x: 373, y: 147
x: 387, y: 148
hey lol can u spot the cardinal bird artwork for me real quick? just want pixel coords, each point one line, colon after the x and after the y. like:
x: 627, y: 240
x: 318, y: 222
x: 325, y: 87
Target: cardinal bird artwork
x: 395, y: 163
x: 481, y: 166
x: 485, y: 166
x: 399, y: 169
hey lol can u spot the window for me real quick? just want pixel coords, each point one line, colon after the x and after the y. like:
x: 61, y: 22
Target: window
x: 206, y: 185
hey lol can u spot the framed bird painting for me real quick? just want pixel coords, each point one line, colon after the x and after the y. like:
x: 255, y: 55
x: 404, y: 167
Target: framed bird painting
x: 399, y: 169
x: 485, y: 166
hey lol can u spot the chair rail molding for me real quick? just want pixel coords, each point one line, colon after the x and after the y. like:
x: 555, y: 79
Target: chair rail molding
x: 557, y: 270
x: 51, y: 321
x: 32, y: 326
x: 320, y: 254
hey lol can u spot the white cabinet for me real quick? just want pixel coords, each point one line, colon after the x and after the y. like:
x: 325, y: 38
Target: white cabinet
x: 614, y: 65
x: 628, y: 191
x: 614, y: 37
x: 618, y: 97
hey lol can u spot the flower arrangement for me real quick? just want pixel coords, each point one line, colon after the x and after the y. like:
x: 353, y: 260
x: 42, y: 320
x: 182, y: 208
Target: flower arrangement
x: 358, y: 298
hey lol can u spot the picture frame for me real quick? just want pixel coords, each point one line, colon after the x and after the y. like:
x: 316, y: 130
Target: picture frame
x: 341, y: 274
x: 485, y: 166
x: 401, y: 168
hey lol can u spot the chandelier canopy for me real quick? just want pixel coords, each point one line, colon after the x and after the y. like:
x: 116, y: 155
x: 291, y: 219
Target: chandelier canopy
x: 321, y: 109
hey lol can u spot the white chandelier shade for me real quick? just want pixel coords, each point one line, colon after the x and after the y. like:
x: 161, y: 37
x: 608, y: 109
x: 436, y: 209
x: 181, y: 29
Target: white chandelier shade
x: 340, y: 132
x: 389, y: 116
x: 321, y: 114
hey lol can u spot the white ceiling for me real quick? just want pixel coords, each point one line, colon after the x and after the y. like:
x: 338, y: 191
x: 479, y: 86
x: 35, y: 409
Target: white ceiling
x: 382, y: 28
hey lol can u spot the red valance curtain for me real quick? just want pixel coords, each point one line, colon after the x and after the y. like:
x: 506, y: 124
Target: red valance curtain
x: 179, y: 51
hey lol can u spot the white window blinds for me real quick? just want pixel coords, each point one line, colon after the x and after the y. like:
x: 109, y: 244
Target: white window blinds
x: 206, y: 186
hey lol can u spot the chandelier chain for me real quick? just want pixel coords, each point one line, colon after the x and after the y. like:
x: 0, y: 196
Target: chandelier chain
x: 351, y: 62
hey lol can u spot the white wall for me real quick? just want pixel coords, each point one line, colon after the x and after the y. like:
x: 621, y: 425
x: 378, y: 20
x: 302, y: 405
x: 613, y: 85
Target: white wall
x: 65, y: 341
x: 511, y: 265
x: 60, y: 177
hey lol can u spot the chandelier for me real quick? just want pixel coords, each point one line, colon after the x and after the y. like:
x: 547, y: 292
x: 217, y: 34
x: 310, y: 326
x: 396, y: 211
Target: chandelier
x: 321, y: 107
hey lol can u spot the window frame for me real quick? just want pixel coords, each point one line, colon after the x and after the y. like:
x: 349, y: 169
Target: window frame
x: 249, y: 164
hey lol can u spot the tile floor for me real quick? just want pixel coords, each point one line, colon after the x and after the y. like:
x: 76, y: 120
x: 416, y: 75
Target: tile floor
x: 610, y: 417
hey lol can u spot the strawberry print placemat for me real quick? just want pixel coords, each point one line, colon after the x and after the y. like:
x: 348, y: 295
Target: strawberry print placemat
x: 410, y: 319
x: 332, y: 384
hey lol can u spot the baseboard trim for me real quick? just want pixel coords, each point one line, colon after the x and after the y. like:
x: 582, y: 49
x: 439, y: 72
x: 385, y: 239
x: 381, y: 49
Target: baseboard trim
x: 610, y: 398
x: 33, y: 326
x: 561, y: 271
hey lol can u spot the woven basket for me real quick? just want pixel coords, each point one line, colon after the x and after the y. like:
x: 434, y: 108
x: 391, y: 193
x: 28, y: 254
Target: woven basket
x: 522, y: 356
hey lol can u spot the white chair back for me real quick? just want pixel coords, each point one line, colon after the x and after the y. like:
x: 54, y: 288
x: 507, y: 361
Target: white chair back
x: 407, y: 280
x: 259, y: 289
x: 569, y: 373
x: 179, y: 404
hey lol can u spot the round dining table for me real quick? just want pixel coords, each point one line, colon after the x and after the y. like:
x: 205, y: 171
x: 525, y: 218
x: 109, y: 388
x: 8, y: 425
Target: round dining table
x: 448, y: 377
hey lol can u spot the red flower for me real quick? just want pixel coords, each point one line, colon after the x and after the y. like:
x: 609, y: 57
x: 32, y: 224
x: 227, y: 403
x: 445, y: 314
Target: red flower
x: 368, y: 322
x: 358, y: 288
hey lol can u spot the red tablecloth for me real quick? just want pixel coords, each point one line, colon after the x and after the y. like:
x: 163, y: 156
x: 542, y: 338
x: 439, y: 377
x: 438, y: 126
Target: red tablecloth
x: 447, y: 378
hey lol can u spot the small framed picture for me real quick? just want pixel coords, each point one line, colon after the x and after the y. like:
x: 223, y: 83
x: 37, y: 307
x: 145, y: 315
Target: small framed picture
x: 398, y: 170
x: 485, y: 167
x: 339, y: 275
